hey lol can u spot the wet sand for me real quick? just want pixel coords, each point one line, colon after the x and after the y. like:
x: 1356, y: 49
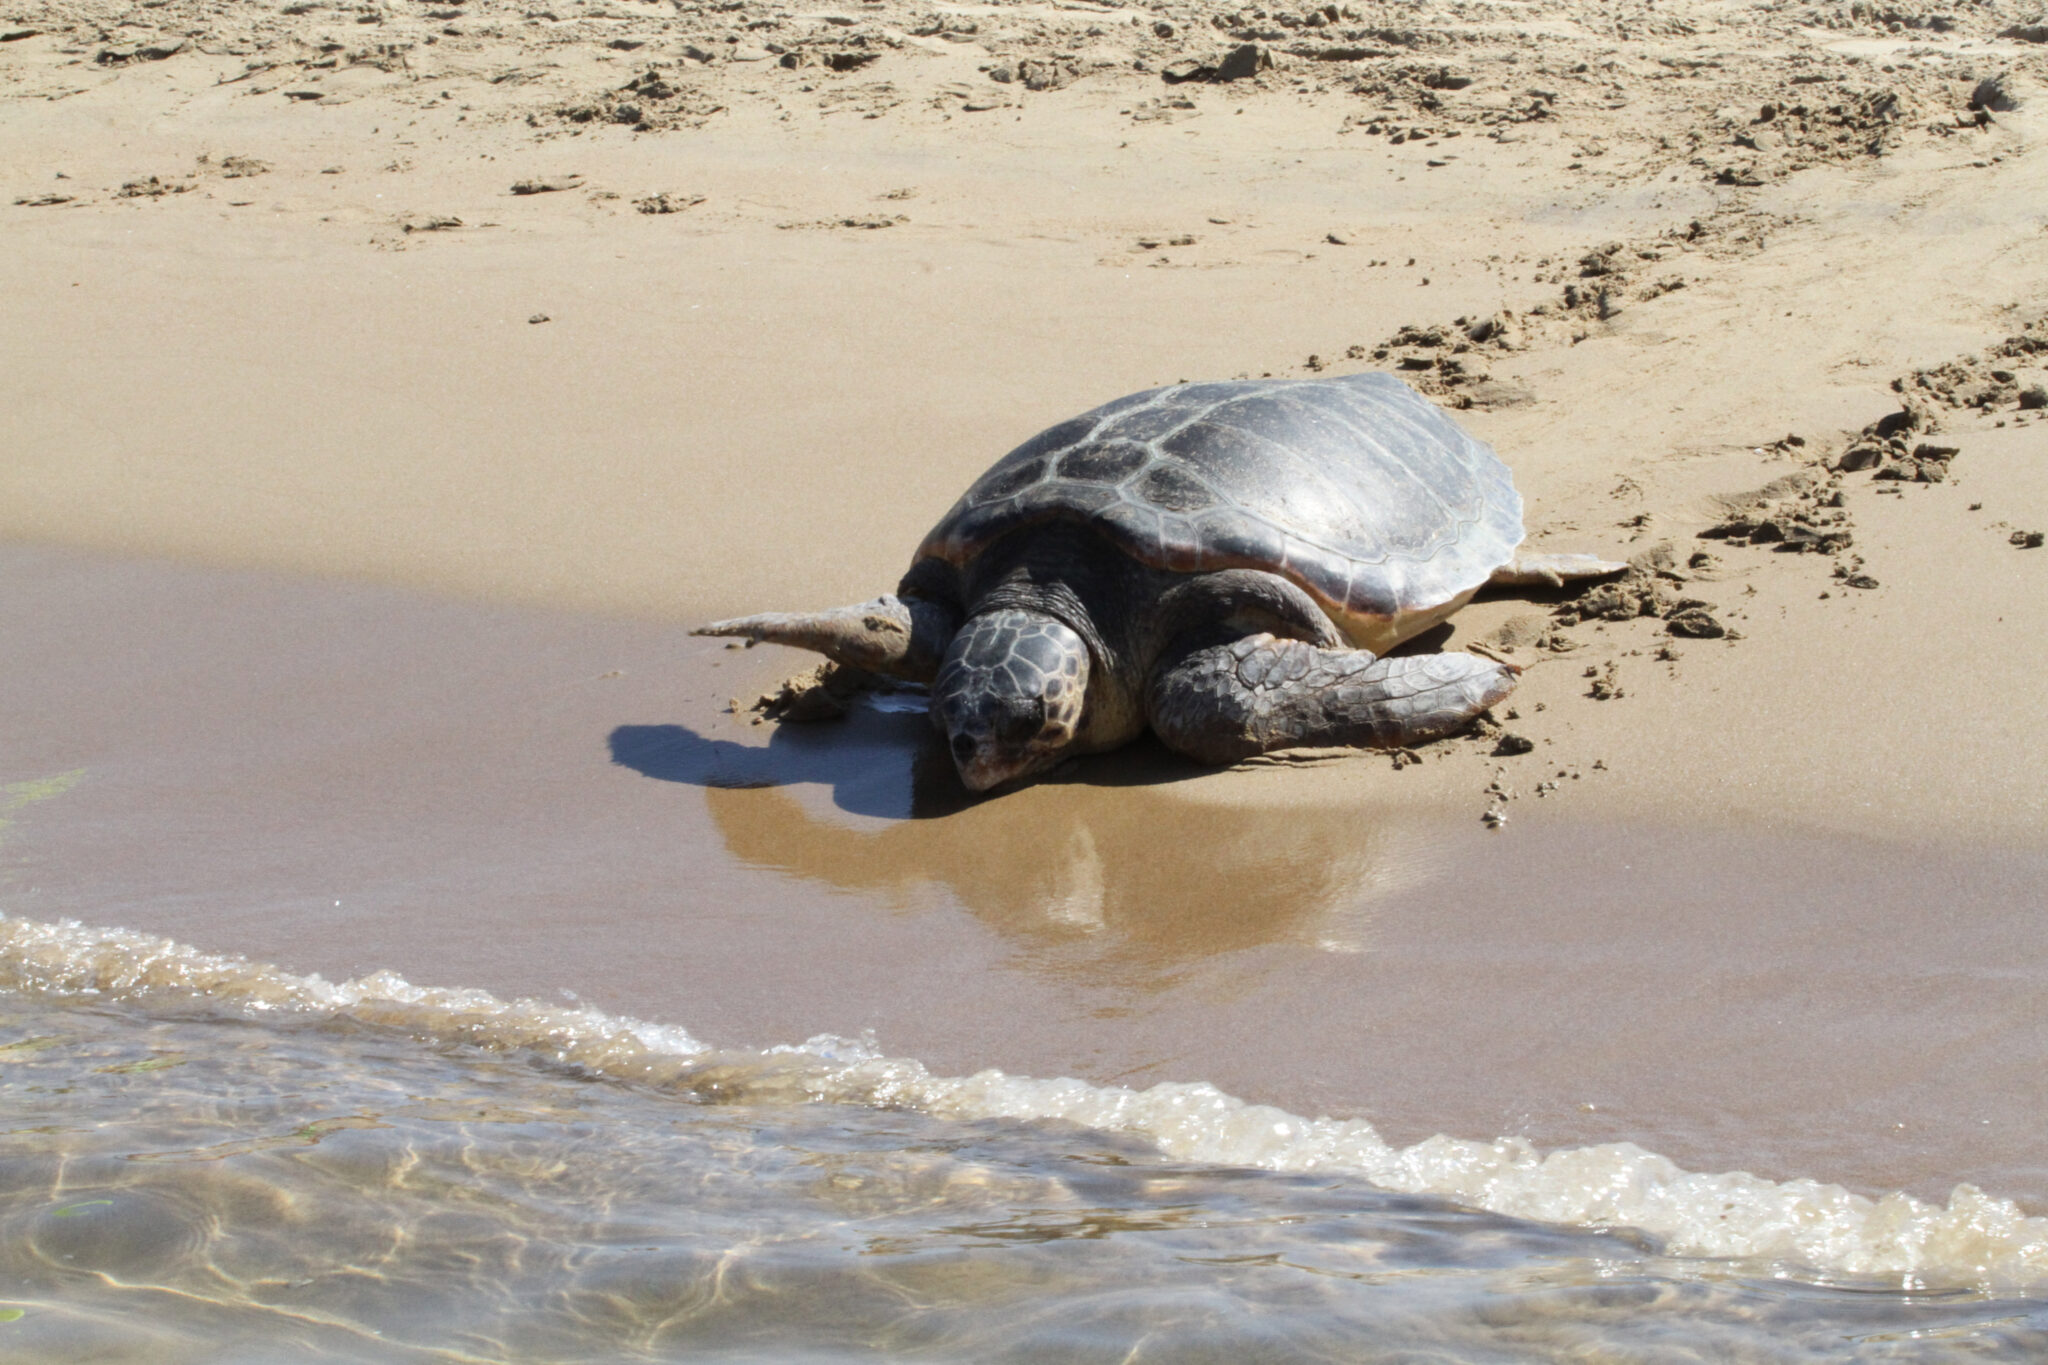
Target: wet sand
x: 343, y: 779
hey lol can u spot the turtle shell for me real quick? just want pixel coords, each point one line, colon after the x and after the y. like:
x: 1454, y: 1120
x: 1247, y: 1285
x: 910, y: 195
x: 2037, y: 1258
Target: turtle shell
x: 1357, y: 488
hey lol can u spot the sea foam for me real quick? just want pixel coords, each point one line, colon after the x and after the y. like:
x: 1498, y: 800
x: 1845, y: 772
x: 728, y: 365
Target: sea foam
x: 1801, y: 1227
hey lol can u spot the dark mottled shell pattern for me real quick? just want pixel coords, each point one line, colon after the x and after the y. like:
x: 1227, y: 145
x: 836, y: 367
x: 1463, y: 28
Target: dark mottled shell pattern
x: 1357, y: 488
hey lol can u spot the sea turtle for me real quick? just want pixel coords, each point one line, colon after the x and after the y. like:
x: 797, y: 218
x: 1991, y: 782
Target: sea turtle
x: 1224, y: 562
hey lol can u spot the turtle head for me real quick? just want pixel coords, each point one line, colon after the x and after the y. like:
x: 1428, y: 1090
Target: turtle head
x: 1009, y: 695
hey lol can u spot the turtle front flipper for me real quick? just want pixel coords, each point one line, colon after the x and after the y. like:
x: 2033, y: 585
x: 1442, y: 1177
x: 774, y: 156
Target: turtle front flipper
x: 1225, y: 702
x: 902, y: 637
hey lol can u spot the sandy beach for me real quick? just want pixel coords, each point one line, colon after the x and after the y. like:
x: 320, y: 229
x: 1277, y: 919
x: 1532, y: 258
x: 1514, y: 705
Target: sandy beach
x: 275, y: 299
x: 386, y: 390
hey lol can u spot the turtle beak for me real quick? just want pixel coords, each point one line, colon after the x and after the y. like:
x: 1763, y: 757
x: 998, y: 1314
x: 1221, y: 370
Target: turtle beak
x: 985, y: 766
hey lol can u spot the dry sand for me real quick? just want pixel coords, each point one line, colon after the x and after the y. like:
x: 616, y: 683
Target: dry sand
x: 784, y: 282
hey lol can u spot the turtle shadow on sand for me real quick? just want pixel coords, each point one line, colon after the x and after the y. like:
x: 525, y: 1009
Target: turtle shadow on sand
x: 891, y: 766
x: 1107, y: 858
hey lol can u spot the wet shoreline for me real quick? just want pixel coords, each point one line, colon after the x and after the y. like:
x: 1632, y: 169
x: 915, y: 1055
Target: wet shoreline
x: 346, y: 780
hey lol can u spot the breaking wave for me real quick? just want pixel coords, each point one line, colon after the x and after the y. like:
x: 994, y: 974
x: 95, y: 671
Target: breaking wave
x: 1974, y: 1241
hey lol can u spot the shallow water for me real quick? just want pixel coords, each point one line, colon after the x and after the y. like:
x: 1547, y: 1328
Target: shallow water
x: 205, y: 1161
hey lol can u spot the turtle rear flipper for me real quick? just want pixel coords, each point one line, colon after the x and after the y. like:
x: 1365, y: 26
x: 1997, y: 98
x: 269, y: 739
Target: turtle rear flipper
x: 1226, y: 702
x: 896, y: 636
x: 1552, y: 571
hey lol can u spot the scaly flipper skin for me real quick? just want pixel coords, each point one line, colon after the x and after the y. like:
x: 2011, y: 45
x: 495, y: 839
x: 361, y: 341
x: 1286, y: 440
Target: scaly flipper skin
x: 900, y: 637
x: 1228, y: 701
x: 1552, y: 571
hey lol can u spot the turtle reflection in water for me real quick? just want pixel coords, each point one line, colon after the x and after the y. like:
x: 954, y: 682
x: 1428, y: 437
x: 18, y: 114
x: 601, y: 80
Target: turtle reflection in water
x: 1125, y: 883
x: 1225, y: 563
